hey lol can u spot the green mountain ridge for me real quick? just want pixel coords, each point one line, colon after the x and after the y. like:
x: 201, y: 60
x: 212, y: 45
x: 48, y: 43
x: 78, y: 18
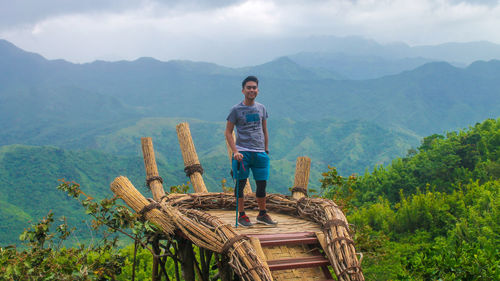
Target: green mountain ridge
x: 29, y: 174
x: 429, y: 99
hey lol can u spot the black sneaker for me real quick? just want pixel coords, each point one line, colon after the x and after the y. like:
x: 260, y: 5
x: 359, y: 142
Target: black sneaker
x: 266, y: 219
x: 244, y: 221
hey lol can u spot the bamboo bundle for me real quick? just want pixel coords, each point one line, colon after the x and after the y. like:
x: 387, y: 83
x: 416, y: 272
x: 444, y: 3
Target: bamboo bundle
x: 124, y: 189
x: 153, y: 179
x: 191, y: 163
x: 339, y: 245
x: 243, y: 258
x: 274, y: 202
x: 248, y: 188
x: 302, y: 168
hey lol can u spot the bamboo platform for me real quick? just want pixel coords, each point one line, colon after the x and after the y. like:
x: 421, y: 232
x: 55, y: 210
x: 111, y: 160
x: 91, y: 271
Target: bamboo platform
x: 312, y: 238
x: 286, y: 223
x: 291, y: 249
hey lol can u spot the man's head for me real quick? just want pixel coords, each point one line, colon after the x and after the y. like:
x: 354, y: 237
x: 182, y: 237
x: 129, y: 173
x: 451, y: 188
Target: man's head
x: 248, y: 79
x: 250, y: 89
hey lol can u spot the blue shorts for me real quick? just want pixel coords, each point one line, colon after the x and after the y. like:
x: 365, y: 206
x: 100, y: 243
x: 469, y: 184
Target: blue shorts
x: 258, y: 162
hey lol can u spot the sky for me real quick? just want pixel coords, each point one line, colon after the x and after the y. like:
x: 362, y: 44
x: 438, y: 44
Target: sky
x: 226, y: 32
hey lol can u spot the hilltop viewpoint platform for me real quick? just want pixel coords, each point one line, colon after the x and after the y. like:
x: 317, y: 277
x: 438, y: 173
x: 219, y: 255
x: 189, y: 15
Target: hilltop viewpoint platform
x: 312, y: 240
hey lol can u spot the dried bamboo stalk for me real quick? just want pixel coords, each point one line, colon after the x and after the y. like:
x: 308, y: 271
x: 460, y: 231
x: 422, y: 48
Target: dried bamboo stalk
x: 258, y: 248
x: 243, y: 255
x: 302, y: 169
x: 151, y: 168
x: 124, y: 189
x: 189, y: 155
x: 248, y: 188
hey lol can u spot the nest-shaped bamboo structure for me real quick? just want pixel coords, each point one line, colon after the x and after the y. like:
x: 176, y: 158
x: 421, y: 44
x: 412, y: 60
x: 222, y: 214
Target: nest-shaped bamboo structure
x: 182, y: 214
x: 339, y: 245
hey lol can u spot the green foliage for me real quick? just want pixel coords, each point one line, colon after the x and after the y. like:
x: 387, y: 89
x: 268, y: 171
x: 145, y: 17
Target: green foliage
x: 182, y: 188
x: 338, y: 188
x: 443, y: 162
x: 44, y: 257
x: 450, y: 231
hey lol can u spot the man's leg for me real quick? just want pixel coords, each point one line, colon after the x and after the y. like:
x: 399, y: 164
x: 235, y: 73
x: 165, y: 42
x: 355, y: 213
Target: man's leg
x: 241, y: 175
x: 261, y: 194
x: 261, y: 174
x: 241, y: 195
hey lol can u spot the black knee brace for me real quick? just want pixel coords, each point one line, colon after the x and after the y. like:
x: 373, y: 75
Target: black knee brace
x: 261, y: 189
x: 241, y: 185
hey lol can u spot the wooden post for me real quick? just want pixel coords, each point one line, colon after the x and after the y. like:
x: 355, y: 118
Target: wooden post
x: 225, y: 271
x: 186, y: 256
x: 190, y: 157
x: 248, y: 188
x: 156, y: 260
x: 302, y: 169
x: 152, y: 176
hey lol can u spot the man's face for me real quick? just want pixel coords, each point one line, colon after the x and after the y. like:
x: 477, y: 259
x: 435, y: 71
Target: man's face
x: 251, y: 90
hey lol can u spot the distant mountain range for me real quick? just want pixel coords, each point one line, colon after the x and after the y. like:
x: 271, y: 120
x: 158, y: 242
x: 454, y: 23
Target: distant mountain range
x: 267, y: 49
x: 432, y: 98
x: 84, y: 121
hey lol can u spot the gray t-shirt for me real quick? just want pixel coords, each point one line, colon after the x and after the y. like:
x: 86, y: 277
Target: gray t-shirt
x: 248, y: 122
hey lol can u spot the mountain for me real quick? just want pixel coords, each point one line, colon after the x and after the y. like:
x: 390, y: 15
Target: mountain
x: 28, y: 180
x: 38, y: 94
x: 268, y: 49
x: 357, y: 67
x: 29, y: 174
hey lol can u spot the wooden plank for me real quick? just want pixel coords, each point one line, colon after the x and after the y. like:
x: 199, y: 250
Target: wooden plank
x: 286, y: 238
x: 304, y: 262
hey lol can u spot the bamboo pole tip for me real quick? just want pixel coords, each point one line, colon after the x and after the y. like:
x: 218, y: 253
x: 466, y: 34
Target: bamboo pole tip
x: 146, y: 139
x: 181, y: 125
x: 304, y: 158
x: 119, y: 182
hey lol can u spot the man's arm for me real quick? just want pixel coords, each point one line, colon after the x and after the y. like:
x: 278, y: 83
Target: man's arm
x: 266, y: 136
x: 230, y: 140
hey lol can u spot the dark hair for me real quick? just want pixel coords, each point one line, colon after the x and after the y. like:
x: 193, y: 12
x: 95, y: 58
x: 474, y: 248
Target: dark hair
x: 248, y: 79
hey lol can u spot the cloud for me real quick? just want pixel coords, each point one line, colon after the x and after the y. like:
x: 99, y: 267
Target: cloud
x: 210, y: 30
x: 26, y: 12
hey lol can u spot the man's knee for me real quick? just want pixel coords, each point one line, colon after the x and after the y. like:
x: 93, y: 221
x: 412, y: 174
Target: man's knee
x: 241, y: 187
x: 261, y: 188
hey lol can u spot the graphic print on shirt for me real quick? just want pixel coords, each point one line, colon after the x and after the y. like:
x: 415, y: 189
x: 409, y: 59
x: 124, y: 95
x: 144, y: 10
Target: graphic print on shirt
x: 252, y: 119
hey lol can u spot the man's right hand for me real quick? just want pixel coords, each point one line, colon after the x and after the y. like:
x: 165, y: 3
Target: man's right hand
x: 238, y: 156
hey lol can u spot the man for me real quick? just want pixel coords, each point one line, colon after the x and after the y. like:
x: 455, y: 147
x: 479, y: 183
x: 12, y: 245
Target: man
x: 250, y: 152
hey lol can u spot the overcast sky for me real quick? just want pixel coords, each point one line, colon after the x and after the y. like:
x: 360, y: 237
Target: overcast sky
x: 87, y: 30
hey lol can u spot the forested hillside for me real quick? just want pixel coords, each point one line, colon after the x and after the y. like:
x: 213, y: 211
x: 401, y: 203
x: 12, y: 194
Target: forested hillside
x: 443, y: 225
x: 433, y: 215
x: 28, y: 173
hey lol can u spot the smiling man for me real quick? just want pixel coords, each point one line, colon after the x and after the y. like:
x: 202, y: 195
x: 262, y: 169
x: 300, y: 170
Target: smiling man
x: 250, y: 152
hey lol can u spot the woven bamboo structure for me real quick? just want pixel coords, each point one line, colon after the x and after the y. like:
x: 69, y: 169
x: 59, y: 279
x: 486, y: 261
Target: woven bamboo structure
x: 192, y: 165
x: 200, y: 218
